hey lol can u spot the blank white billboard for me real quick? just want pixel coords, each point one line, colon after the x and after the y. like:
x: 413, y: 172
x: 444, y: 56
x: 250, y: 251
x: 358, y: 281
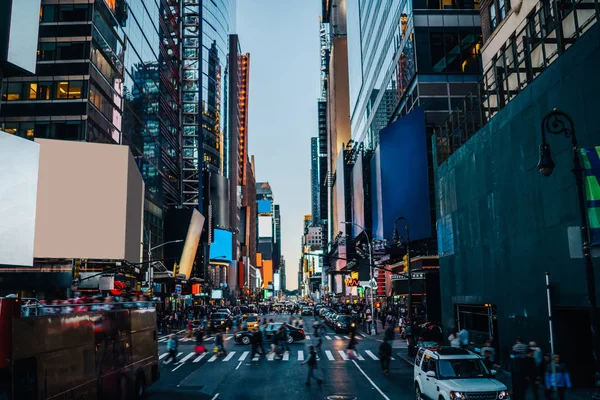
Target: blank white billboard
x: 265, y: 226
x: 19, y: 162
x: 22, y: 42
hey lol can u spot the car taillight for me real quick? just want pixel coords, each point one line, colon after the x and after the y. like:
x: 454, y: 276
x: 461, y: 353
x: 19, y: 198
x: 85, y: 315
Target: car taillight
x: 301, y: 331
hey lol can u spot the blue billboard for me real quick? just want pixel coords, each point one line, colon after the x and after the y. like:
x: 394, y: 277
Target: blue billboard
x: 264, y: 206
x: 220, y: 248
x: 400, y: 178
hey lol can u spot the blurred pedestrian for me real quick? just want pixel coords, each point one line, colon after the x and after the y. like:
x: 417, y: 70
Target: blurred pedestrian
x: 561, y: 379
x: 172, y: 348
x: 312, y: 366
x: 385, y: 355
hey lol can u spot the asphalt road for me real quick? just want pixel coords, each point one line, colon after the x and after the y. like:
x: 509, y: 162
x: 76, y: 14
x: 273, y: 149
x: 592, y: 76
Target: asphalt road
x: 237, y: 377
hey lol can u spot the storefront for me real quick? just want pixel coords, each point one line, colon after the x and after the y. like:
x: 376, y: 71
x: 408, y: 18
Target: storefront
x: 425, y: 294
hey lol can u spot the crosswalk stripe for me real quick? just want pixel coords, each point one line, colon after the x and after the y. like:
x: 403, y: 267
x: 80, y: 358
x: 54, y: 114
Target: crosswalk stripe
x: 327, y: 337
x: 244, y: 355
x: 184, y: 359
x: 370, y: 353
x: 286, y: 356
x: 163, y: 340
x: 200, y: 357
x: 358, y: 337
x: 163, y: 356
x: 343, y: 354
x: 329, y: 355
x: 360, y: 358
x: 337, y: 337
x: 347, y: 337
x: 228, y: 337
x: 210, y: 338
x: 256, y: 357
x: 231, y: 353
x: 393, y: 359
x: 212, y: 359
x: 300, y: 355
x: 307, y: 337
x: 271, y: 357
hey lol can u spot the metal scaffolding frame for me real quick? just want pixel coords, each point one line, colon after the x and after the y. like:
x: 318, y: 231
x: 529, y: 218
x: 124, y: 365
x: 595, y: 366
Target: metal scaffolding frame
x: 192, y: 154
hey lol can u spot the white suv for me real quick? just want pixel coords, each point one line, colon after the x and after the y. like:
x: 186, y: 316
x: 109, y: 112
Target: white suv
x: 449, y: 373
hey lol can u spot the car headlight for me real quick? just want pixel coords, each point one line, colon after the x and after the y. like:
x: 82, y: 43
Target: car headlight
x: 503, y: 395
x: 339, y: 324
x: 222, y: 322
x: 353, y: 325
x: 457, y: 395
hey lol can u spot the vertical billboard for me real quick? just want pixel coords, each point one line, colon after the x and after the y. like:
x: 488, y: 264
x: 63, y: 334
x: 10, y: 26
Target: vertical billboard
x: 222, y: 245
x: 19, y: 161
x: 20, y: 50
x: 401, y: 178
x: 358, y: 194
x: 191, y: 243
x: 265, y: 226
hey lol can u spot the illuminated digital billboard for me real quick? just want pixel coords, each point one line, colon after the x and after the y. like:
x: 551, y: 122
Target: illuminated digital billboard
x: 221, y: 247
x: 264, y: 207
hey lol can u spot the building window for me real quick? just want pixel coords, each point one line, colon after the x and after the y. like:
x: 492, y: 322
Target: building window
x: 69, y: 89
x: 498, y: 11
x: 44, y: 90
x: 13, y: 92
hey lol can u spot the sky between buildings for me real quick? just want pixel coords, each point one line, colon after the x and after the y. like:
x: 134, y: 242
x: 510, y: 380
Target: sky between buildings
x: 282, y: 37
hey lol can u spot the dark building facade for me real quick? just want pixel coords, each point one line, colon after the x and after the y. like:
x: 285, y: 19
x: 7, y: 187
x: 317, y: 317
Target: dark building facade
x: 502, y: 225
x: 314, y: 180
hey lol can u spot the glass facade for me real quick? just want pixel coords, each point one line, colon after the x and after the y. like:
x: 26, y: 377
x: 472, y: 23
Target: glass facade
x: 383, y: 48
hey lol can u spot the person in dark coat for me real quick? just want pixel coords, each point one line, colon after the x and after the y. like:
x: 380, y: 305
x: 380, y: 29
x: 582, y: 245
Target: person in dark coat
x: 385, y: 355
x: 312, y: 365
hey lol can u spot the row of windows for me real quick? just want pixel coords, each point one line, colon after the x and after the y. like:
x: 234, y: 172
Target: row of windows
x: 59, y: 90
x: 67, y: 130
x: 51, y: 51
x: 65, y: 13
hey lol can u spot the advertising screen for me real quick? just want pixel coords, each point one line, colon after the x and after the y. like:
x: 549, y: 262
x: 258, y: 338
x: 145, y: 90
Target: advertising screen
x: 265, y: 226
x: 401, y: 181
x: 217, y: 294
x: 18, y: 195
x: 221, y: 247
x: 264, y: 207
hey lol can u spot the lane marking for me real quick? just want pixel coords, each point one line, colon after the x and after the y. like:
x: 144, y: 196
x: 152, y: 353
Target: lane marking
x: 238, y: 366
x: 216, y: 395
x: 372, y: 383
x: 244, y: 355
x: 212, y: 359
x: 184, y: 359
x: 286, y: 356
x: 343, y: 354
x: 337, y: 337
x: 271, y: 357
x: 373, y: 356
x: 229, y: 355
x: 300, y: 355
x: 177, y: 367
x: 327, y: 337
x: 200, y: 357
x: 163, y: 356
x: 329, y: 355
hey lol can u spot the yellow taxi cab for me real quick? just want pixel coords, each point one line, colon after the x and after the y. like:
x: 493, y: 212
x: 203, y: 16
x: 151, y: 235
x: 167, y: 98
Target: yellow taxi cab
x: 253, y: 321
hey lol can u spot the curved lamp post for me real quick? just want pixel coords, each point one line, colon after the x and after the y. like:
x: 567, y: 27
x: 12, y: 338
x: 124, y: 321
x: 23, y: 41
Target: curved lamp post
x: 557, y: 122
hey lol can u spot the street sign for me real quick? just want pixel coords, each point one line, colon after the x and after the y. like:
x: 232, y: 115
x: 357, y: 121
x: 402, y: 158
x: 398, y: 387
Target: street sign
x: 177, y: 288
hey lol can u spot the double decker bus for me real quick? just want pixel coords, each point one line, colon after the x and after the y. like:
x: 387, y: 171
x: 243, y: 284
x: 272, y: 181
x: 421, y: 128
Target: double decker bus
x: 84, y: 355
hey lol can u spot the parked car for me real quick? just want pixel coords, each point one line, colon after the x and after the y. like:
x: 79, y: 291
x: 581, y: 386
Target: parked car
x: 294, y: 334
x: 449, y: 373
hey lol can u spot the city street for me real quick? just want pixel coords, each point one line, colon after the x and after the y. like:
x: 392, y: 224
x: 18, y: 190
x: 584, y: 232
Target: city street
x: 236, y: 376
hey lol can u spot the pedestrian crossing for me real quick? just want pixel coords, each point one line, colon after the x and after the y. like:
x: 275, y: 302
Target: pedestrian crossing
x: 229, y: 337
x: 300, y: 355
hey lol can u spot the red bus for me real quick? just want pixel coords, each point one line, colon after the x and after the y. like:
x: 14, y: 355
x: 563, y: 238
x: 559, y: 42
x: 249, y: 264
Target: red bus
x: 86, y: 355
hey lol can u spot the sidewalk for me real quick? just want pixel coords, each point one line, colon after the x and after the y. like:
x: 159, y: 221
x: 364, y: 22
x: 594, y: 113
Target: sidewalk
x: 504, y: 377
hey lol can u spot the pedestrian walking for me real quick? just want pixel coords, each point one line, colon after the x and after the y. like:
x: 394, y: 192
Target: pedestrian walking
x: 562, y: 379
x: 312, y: 366
x: 385, y: 355
x: 172, y: 348
x: 351, y: 348
x: 256, y: 340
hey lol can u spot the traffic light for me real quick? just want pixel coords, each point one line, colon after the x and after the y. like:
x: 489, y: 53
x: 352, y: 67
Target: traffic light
x: 405, y: 259
x: 76, y: 269
x: 175, y: 270
x: 378, y: 305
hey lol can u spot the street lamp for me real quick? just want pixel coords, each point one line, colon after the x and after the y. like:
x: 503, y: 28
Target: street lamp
x: 151, y: 269
x: 396, y: 239
x: 363, y: 230
x: 557, y: 122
